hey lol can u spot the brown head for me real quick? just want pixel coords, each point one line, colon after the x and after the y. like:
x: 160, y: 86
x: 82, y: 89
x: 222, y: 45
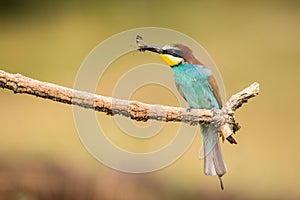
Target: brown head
x: 173, y: 54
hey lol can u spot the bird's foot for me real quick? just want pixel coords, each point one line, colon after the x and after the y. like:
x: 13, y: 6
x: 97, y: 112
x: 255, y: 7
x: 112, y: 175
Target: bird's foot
x: 188, y: 109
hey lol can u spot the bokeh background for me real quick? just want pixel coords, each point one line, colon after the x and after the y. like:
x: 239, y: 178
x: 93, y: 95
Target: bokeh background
x: 41, y: 156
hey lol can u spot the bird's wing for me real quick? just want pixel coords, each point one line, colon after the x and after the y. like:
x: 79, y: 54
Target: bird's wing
x: 215, y: 89
x: 210, y: 138
x: 198, y: 87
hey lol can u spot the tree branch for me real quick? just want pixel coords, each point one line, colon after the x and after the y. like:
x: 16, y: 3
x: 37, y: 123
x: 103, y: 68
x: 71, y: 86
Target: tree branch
x: 133, y: 109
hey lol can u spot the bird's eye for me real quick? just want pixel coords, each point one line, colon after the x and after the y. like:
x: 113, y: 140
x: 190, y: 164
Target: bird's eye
x: 171, y: 51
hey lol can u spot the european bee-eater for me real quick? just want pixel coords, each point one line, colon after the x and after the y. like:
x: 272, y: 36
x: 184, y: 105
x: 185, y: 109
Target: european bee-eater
x: 198, y: 87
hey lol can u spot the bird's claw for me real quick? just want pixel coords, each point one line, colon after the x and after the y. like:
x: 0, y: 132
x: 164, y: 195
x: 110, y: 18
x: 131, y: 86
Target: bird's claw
x: 194, y: 123
x: 188, y: 109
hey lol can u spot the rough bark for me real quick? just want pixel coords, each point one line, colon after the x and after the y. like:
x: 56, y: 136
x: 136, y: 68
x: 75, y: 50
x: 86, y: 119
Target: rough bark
x: 135, y: 110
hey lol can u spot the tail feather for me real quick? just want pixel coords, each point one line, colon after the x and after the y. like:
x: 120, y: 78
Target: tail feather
x: 214, y: 163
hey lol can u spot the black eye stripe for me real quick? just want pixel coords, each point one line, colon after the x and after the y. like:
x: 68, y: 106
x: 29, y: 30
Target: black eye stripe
x: 173, y: 52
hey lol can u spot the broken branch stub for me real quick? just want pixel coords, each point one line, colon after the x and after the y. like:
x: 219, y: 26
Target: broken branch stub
x: 139, y: 111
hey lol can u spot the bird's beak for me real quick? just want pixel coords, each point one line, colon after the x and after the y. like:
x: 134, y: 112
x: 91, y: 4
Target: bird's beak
x: 144, y: 47
x: 150, y: 48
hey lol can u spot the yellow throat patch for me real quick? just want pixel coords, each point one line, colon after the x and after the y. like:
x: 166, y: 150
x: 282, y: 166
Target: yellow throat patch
x: 171, y: 60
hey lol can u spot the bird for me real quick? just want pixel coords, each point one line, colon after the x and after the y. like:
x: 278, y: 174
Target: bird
x: 197, y: 85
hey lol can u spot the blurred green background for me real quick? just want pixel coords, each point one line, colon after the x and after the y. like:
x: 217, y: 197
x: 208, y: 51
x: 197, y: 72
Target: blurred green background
x: 41, y: 156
